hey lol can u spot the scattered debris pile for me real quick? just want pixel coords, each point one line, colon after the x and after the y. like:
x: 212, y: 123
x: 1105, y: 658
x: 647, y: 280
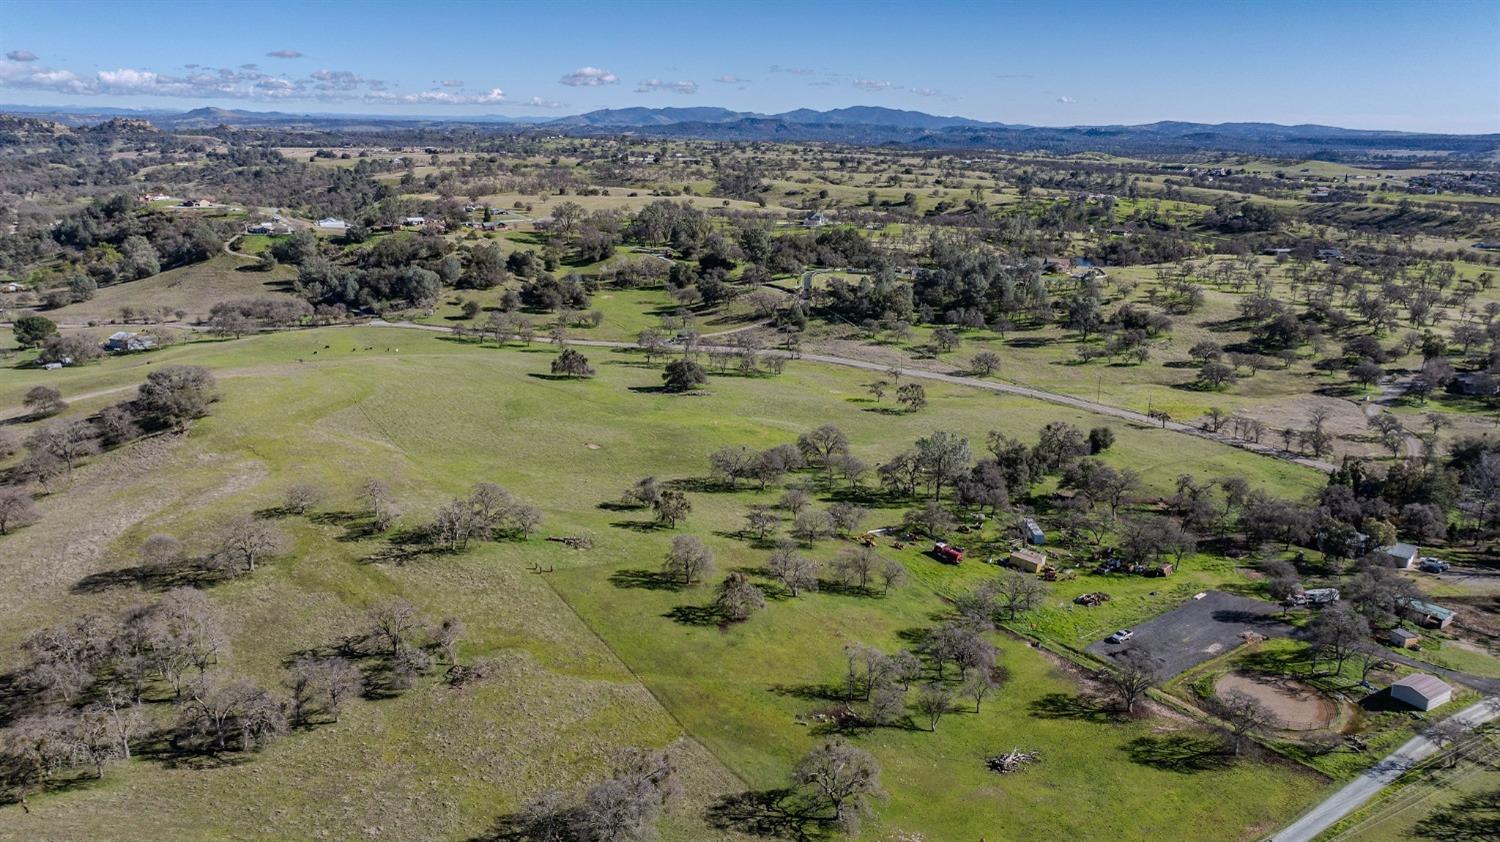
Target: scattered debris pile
x: 1012, y: 761
x: 1092, y: 599
x: 574, y: 541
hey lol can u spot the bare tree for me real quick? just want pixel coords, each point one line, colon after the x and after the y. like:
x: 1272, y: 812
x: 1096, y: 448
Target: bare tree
x: 393, y: 623
x: 245, y: 541
x: 1243, y: 714
x: 934, y: 700
x: 738, y: 598
x: 761, y: 521
x: 841, y: 778
x: 16, y: 509
x: 161, y: 551
x: 303, y: 497
x: 1135, y: 672
x: 324, y: 684
x: 892, y: 575
x: 688, y: 559
x: 856, y: 566
x: 794, y: 571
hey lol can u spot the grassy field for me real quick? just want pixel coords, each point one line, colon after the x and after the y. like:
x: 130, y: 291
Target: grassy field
x: 589, y: 662
x: 193, y: 289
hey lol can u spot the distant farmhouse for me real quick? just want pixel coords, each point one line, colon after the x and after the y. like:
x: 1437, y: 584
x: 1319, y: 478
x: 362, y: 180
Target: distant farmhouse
x: 125, y: 342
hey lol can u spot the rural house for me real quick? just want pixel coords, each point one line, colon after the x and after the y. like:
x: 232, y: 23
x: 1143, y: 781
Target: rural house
x: 332, y: 223
x: 1399, y: 556
x: 1422, y: 691
x: 125, y: 342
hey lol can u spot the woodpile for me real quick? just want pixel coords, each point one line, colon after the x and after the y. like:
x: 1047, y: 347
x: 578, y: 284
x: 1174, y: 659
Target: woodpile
x: 574, y: 541
x: 1011, y: 761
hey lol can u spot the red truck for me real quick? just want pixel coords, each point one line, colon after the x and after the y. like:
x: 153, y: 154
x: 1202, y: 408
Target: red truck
x: 948, y: 553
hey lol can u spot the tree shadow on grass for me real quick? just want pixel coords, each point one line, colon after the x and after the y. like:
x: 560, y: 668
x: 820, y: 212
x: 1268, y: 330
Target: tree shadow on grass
x: 1179, y: 752
x: 812, y: 692
x: 1074, y: 706
x: 774, y: 813
x: 189, y: 573
x: 638, y: 525
x: 1474, y: 816
x: 357, y: 526
x: 696, y: 615
x: 650, y: 580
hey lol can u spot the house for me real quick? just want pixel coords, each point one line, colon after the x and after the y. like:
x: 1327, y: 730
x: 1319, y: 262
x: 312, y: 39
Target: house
x: 1429, y: 615
x: 1027, y: 561
x: 1032, y: 532
x: 125, y: 342
x: 1057, y: 265
x: 814, y: 220
x: 1487, y: 244
x: 414, y: 220
x: 332, y: 223
x: 948, y: 553
x: 1403, y: 639
x: 1475, y: 384
x: 1276, y: 252
x: 12, y: 287
x: 196, y: 203
x: 1330, y: 254
x: 1399, y: 556
x: 1422, y: 691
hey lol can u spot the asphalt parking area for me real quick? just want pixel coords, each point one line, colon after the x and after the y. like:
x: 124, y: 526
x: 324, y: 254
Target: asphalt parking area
x: 1198, y: 630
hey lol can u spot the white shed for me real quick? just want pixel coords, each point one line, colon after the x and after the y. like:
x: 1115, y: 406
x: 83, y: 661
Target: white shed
x: 1422, y: 691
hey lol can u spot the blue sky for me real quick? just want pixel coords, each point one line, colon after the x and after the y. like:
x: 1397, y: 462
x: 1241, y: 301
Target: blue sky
x: 1420, y: 66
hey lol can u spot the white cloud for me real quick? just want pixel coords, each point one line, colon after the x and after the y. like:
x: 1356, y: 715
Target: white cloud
x: 490, y: 97
x: 731, y: 79
x: 1066, y: 100
x: 871, y: 85
x: 925, y: 91
x: 21, y: 55
x: 284, y: 54
x: 244, y: 83
x: 647, y: 86
x: 589, y: 77
x: 538, y: 102
x: 453, y: 83
x: 795, y: 71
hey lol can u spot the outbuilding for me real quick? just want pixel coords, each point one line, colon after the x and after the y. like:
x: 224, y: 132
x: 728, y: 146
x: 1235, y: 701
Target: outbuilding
x: 1422, y: 691
x: 1027, y: 561
x: 1403, y: 639
x: 1032, y: 532
x: 1429, y: 615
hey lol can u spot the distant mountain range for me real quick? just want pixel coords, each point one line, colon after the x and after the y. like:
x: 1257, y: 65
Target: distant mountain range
x: 865, y: 125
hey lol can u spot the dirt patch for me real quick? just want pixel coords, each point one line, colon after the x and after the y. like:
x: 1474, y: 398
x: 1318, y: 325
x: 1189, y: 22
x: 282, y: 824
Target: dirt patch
x: 1300, y: 707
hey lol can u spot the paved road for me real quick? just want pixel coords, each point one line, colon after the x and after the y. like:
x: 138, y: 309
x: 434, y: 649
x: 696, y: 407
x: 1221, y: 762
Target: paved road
x: 1383, y: 774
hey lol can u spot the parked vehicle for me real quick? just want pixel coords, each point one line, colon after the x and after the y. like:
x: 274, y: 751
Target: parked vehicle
x: 1120, y: 636
x: 1433, y: 565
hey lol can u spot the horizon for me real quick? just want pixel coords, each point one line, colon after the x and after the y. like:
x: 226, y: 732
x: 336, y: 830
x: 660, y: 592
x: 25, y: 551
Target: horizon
x: 1054, y: 67
x: 499, y: 118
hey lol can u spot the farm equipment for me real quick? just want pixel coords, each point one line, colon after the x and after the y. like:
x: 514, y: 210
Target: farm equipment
x: 1091, y: 600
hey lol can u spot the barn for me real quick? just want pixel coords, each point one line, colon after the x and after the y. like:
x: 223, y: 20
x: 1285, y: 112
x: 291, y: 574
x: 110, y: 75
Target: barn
x: 1422, y: 691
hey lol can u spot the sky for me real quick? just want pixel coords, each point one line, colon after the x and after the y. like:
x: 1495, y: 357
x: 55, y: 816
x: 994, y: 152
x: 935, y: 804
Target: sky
x: 1432, y: 65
